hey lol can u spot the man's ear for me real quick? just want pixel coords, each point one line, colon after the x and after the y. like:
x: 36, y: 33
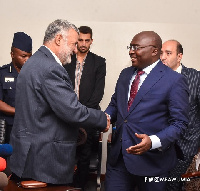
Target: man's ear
x: 12, y: 54
x: 58, y: 39
x: 154, y: 52
x: 91, y: 41
x: 180, y: 56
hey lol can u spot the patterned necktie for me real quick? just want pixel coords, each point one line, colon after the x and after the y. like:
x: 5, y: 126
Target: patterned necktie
x: 134, y: 88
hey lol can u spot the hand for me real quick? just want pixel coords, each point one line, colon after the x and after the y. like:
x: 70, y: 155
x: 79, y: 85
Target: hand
x: 142, y: 147
x: 108, y: 123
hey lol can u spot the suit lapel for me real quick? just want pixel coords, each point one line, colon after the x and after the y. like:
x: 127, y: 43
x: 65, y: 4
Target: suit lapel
x: 72, y: 69
x: 88, y: 66
x: 184, y: 71
x: 153, y: 77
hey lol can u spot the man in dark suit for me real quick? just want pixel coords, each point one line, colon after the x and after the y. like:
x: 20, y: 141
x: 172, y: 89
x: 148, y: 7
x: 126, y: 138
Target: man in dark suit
x: 87, y: 72
x: 148, y: 125
x: 188, y: 145
x: 48, y: 112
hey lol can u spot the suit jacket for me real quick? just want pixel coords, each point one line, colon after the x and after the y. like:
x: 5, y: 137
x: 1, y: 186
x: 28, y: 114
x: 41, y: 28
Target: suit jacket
x: 47, y: 109
x: 190, y: 142
x: 160, y: 108
x: 92, y: 82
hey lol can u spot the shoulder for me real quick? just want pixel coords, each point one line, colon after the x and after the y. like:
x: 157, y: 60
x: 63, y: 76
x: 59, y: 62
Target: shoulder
x: 5, y: 66
x: 191, y: 74
x: 168, y: 75
x: 128, y: 70
x: 41, y: 64
x: 190, y: 70
x: 96, y: 57
x: 168, y: 70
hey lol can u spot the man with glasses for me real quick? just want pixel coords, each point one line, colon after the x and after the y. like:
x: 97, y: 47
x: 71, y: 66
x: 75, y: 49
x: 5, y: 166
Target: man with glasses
x: 150, y: 107
x: 188, y: 145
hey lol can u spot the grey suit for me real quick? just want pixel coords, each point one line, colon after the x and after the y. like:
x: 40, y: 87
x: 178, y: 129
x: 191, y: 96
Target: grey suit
x: 189, y: 144
x: 46, y: 123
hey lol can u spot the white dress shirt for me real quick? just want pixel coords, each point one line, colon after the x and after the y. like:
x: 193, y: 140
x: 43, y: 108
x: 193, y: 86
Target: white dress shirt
x: 179, y: 69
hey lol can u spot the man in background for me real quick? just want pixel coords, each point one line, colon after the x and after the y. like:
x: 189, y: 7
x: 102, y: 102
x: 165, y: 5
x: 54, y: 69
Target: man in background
x: 87, y: 72
x: 188, y: 145
x: 21, y: 50
x: 48, y: 112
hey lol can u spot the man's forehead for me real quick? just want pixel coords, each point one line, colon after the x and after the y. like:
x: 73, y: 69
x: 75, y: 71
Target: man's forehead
x: 169, y: 45
x: 84, y: 36
x: 141, y: 39
x: 72, y: 34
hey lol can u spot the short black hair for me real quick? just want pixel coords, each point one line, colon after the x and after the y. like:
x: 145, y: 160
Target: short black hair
x: 179, y: 48
x: 85, y: 30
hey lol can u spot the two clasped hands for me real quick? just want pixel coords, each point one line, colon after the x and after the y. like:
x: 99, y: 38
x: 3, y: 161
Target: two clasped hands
x: 108, y: 123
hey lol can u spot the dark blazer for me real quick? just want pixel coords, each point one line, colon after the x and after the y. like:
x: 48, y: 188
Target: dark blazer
x: 92, y: 82
x: 190, y: 142
x: 159, y: 108
x: 46, y: 123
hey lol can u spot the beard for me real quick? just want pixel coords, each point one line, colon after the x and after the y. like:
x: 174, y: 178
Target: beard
x: 65, y: 56
x: 82, y: 49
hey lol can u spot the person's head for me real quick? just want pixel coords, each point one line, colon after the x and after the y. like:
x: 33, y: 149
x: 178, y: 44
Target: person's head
x: 171, y: 54
x: 21, y: 49
x: 61, y: 37
x: 145, y: 49
x: 84, y: 39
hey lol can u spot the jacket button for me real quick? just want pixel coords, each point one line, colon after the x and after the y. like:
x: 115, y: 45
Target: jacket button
x: 125, y: 121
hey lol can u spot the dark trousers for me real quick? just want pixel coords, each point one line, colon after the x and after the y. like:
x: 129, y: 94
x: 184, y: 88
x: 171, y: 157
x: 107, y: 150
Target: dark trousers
x: 83, y: 154
x: 119, y: 179
x: 8, y: 132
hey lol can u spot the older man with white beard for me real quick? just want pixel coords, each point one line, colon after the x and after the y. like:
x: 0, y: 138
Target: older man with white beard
x: 48, y: 112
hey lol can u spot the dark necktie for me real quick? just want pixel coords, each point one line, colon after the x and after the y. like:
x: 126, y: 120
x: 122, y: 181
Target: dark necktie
x: 134, y: 88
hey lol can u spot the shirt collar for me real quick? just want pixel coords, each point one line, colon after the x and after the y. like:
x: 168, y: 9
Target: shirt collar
x: 148, y: 69
x: 179, y: 69
x: 54, y: 55
x: 83, y: 60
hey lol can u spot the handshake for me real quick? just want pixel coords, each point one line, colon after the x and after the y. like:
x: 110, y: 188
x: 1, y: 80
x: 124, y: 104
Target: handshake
x: 108, y: 123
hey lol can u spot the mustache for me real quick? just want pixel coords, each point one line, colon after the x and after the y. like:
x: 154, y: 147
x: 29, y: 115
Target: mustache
x: 83, y: 47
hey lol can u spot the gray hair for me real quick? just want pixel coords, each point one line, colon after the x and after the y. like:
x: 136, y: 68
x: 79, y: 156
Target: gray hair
x: 58, y: 26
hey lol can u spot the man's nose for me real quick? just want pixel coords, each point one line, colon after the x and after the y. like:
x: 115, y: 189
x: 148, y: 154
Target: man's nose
x: 162, y: 57
x: 83, y: 43
x: 25, y: 59
x: 131, y: 51
x: 75, y: 50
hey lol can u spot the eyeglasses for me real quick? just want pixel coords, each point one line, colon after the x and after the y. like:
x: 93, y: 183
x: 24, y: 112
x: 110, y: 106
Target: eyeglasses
x: 135, y: 47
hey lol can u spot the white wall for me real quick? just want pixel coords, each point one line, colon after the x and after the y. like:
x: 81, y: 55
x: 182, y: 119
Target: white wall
x: 114, y: 24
